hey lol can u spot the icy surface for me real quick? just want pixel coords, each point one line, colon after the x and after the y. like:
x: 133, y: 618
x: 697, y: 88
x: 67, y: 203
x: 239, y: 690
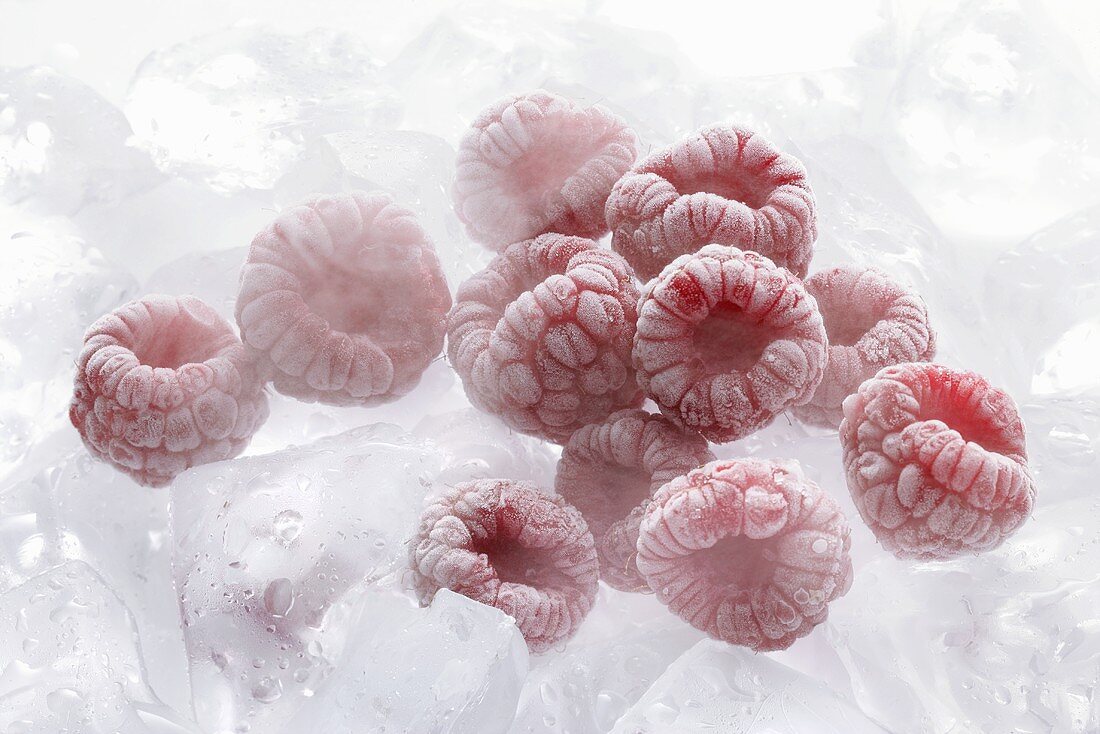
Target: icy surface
x: 52, y: 286
x: 235, y: 108
x: 994, y: 120
x: 456, y: 666
x: 61, y: 506
x: 70, y: 661
x: 718, y: 687
x: 267, y: 555
x: 955, y: 149
x: 62, y: 145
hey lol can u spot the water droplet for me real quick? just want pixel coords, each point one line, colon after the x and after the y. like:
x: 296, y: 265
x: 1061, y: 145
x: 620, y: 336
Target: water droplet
x: 267, y: 690
x: 287, y: 526
x: 63, y: 700
x: 820, y: 545
x: 279, y: 597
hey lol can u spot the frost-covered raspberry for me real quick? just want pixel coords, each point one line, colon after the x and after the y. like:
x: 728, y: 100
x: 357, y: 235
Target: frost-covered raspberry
x: 610, y: 470
x: 541, y: 338
x: 537, y: 163
x: 163, y: 384
x: 749, y: 551
x: 726, y: 340
x: 343, y: 300
x: 506, y: 544
x: 936, y: 461
x: 723, y: 185
x: 872, y: 322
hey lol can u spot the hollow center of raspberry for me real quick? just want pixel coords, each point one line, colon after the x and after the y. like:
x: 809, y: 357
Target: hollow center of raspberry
x: 616, y: 492
x: 350, y: 303
x: 541, y: 172
x: 514, y: 563
x: 179, y: 343
x: 732, y: 185
x: 846, y: 324
x: 737, y: 561
x: 961, y: 415
x: 728, y: 340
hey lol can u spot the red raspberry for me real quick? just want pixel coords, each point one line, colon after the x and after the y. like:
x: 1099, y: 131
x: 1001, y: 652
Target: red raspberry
x: 936, y: 461
x: 163, y: 384
x: 506, y: 544
x: 537, y: 163
x: 749, y: 551
x: 542, y: 336
x: 872, y: 322
x: 727, y: 340
x: 344, y: 300
x: 724, y: 185
x: 610, y: 470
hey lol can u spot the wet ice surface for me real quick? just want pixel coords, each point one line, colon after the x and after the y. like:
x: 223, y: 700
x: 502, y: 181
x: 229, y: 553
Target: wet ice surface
x: 956, y: 151
x: 71, y: 662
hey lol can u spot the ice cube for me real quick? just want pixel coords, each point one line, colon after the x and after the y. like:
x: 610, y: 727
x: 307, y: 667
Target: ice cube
x: 62, y: 145
x: 271, y: 552
x: 52, y: 286
x: 235, y: 108
x: 477, y: 53
x: 213, y: 277
x: 993, y: 121
x: 63, y: 505
x: 417, y: 169
x: 456, y: 666
x: 477, y: 445
x: 730, y: 689
x: 868, y: 217
x: 627, y: 641
x: 1047, y: 287
x: 69, y: 657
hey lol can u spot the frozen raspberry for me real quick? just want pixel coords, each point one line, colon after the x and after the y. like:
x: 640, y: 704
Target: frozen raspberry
x: 538, y: 163
x: 506, y: 544
x: 542, y: 336
x: 936, y: 461
x: 749, y: 551
x: 163, y: 384
x: 724, y: 185
x: 726, y: 340
x: 610, y: 470
x: 872, y: 322
x: 344, y: 300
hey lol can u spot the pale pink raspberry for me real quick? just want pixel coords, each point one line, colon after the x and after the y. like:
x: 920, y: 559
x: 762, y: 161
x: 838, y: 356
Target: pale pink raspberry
x: 163, y: 384
x: 343, y: 300
x: 727, y: 340
x: 610, y: 470
x: 749, y: 551
x: 541, y: 338
x: 537, y: 163
x: 506, y: 544
x: 723, y: 185
x: 872, y: 322
x: 936, y: 461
